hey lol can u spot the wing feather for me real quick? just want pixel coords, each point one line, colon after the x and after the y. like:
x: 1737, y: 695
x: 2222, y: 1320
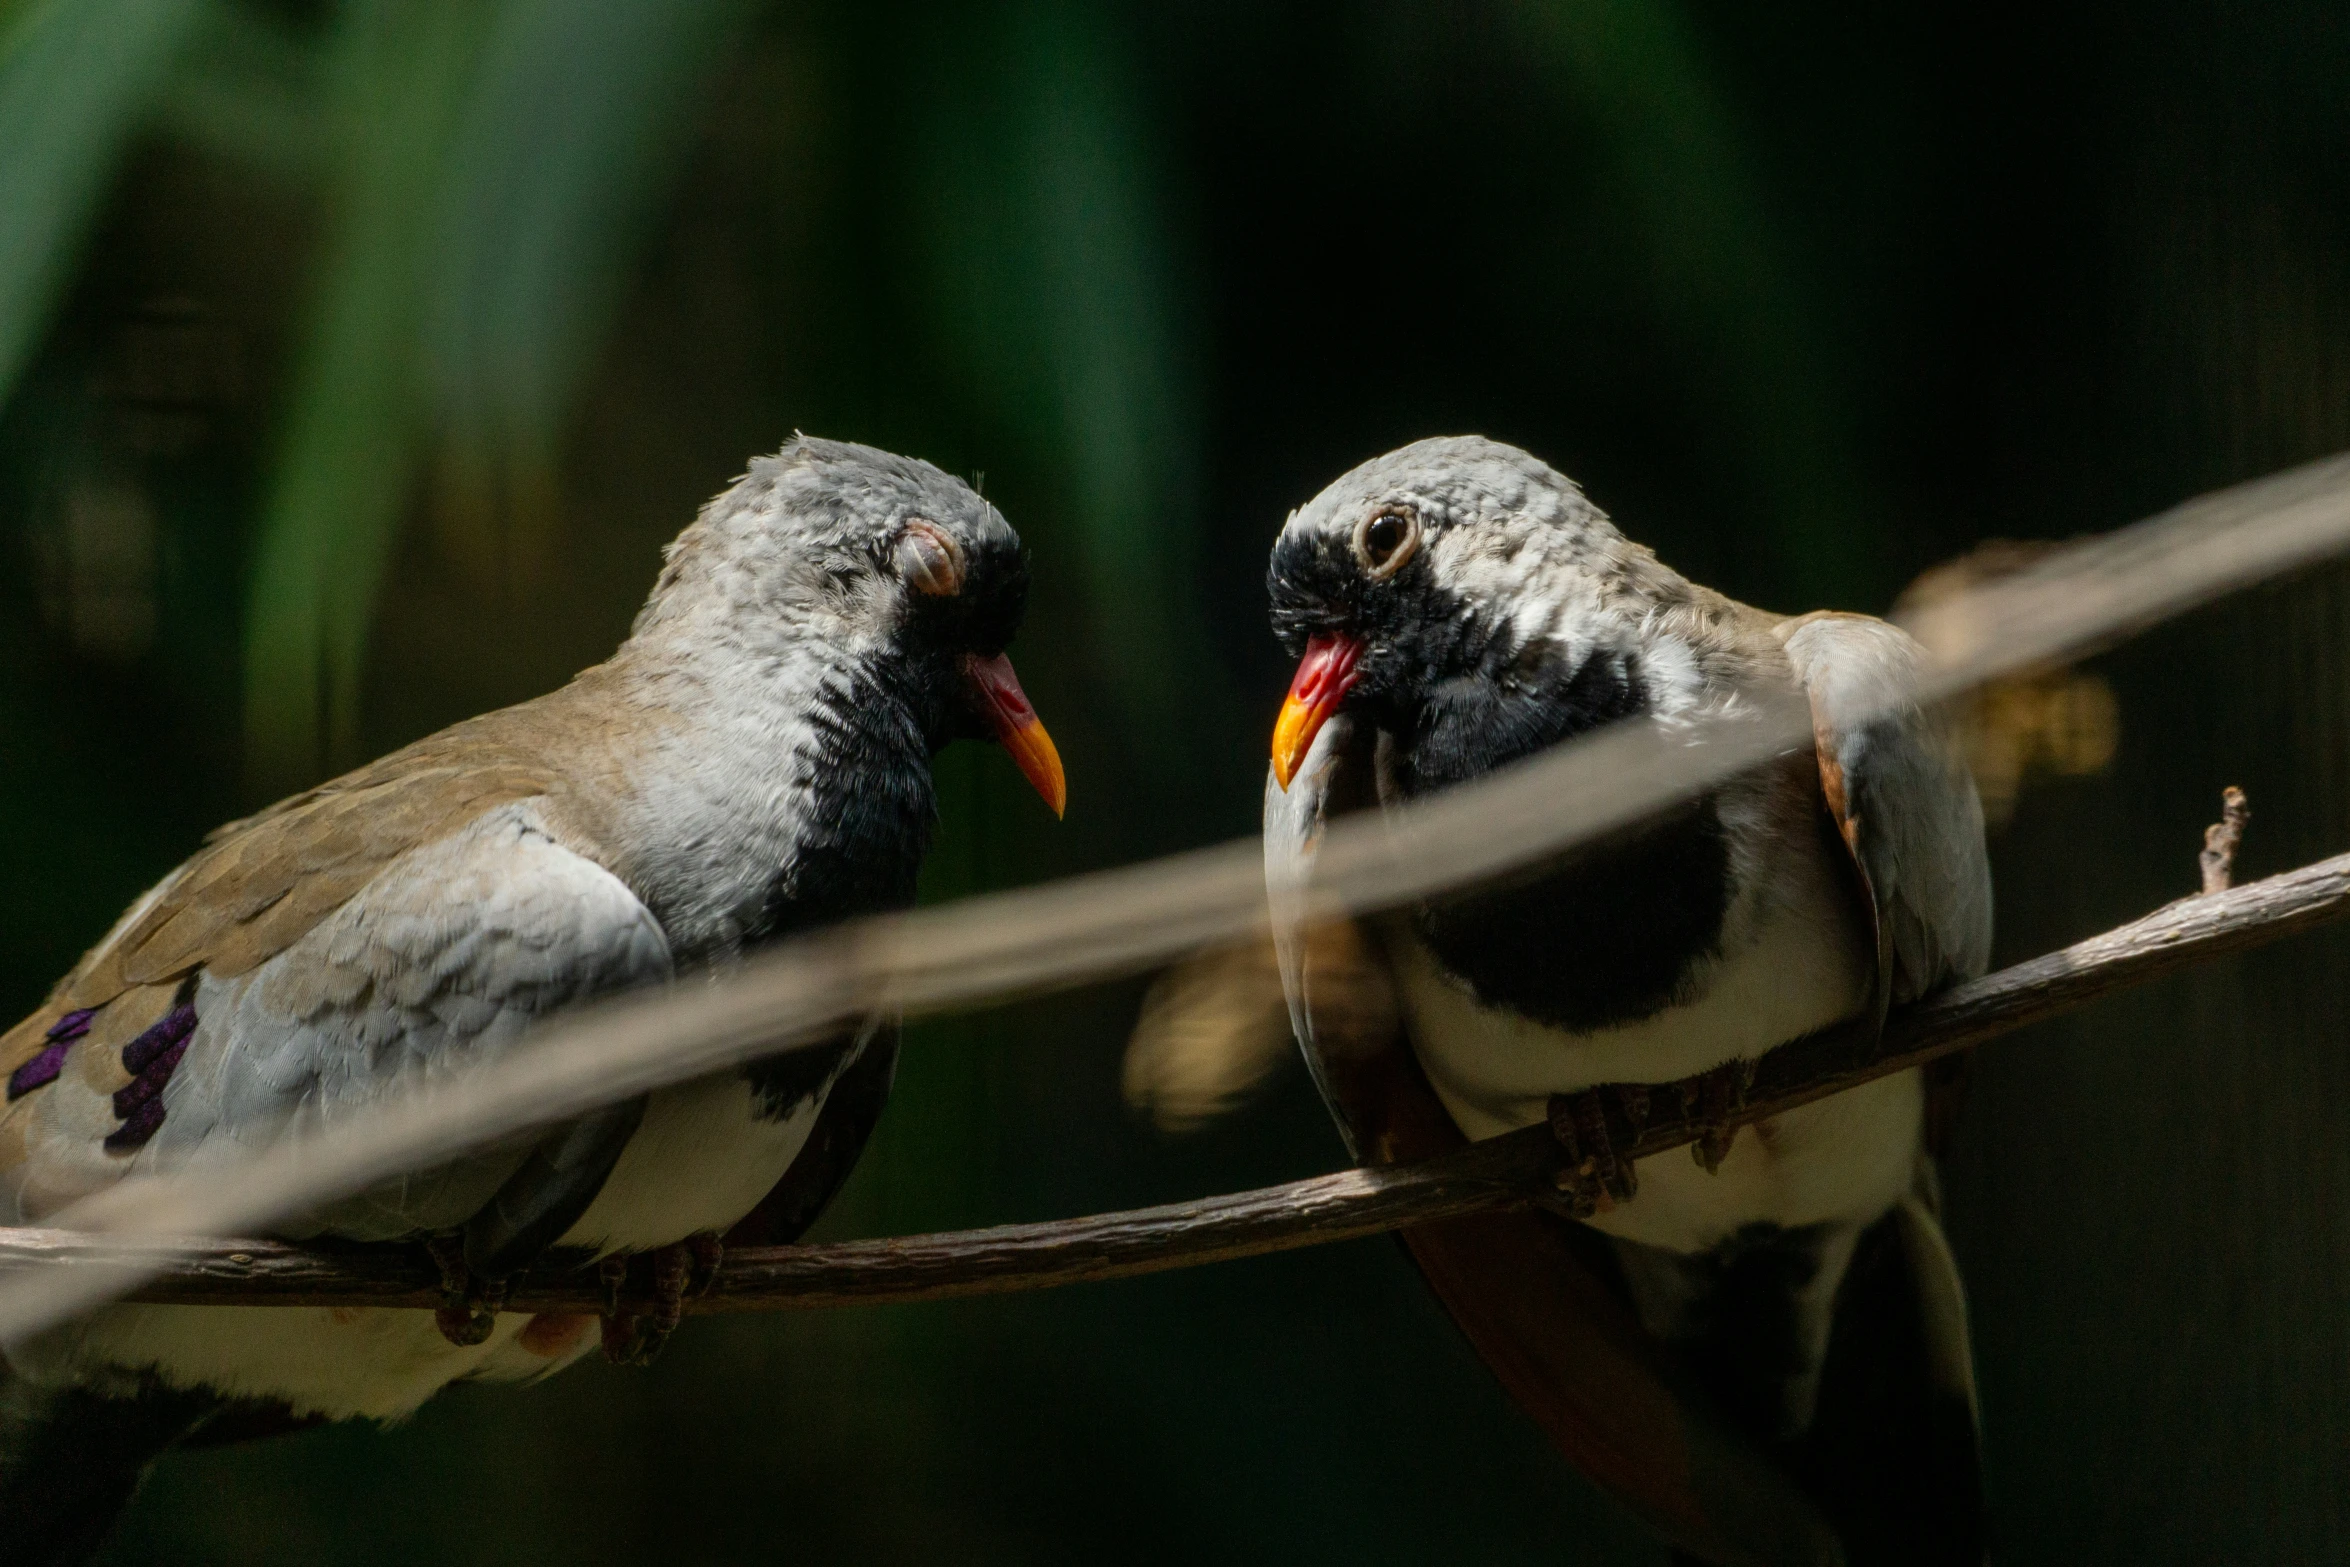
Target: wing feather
x: 1902, y: 799
x: 448, y: 953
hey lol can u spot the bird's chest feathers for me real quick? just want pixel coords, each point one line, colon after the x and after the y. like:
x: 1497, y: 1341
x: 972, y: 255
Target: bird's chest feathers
x: 1786, y: 954
x: 710, y: 1149
x: 775, y: 821
x: 1603, y: 939
x: 1797, y: 968
x: 1606, y: 935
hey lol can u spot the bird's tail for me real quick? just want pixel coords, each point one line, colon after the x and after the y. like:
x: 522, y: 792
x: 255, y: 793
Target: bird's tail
x: 1892, y: 1453
x: 71, y: 1459
x: 1885, y: 1443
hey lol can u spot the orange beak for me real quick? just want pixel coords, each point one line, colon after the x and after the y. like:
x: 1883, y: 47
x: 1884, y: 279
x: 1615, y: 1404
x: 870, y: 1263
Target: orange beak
x: 1324, y: 677
x: 1018, y: 727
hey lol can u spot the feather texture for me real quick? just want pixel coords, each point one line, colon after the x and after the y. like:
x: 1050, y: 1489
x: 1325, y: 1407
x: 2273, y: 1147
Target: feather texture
x: 1902, y: 798
x: 1809, y: 894
x: 754, y: 760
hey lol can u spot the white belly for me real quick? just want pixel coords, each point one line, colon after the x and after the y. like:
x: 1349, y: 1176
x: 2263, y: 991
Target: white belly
x: 1803, y: 968
x: 1840, y: 1160
x: 701, y: 1160
x: 372, y: 1363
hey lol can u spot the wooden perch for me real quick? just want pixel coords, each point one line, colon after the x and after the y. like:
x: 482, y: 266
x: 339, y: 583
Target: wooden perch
x: 1519, y: 1168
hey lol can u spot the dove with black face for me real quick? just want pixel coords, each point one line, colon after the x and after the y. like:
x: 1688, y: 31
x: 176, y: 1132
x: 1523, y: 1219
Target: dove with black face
x: 1457, y: 605
x: 753, y: 761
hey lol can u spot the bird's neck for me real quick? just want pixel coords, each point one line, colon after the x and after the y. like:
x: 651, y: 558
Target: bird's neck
x: 762, y: 797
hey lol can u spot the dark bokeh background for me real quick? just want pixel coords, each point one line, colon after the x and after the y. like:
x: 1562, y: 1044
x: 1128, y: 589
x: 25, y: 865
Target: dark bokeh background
x: 357, y: 359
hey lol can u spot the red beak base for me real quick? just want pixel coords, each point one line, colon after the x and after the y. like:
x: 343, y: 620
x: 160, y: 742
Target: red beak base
x: 1324, y: 677
x: 1017, y: 727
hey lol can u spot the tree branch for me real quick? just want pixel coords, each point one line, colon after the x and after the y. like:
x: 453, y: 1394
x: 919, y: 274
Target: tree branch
x: 1519, y: 1168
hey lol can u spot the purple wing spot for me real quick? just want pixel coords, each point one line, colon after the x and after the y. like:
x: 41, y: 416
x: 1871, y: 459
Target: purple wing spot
x: 43, y: 1068
x: 150, y: 1059
x: 135, y: 1094
x: 150, y: 1047
x: 133, y: 1133
x: 40, y: 1071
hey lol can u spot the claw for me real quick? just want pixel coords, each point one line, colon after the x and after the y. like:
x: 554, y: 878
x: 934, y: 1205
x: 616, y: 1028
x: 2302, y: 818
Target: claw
x: 1710, y: 1100
x: 618, y: 1323
x: 1595, y: 1176
x: 611, y: 1278
x: 633, y: 1337
x: 672, y: 1265
x: 708, y: 1252
x: 468, y: 1312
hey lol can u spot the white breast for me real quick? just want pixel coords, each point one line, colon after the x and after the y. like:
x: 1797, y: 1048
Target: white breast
x: 1797, y: 964
x: 370, y: 1363
x: 700, y: 1161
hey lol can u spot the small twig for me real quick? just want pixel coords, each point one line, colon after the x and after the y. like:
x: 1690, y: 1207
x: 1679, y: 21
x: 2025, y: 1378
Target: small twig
x: 1505, y: 1171
x: 2221, y: 840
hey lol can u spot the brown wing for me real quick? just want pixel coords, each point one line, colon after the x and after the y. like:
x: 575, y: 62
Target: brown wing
x: 1901, y: 798
x: 1946, y: 1079
x: 260, y: 884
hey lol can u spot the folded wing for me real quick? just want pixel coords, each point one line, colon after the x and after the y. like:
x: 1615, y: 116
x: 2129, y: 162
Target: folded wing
x: 438, y: 957
x: 1901, y: 797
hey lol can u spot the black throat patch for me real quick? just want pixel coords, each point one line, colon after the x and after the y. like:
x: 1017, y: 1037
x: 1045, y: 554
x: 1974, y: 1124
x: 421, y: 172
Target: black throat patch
x: 1606, y: 934
x: 1601, y: 938
x: 870, y: 810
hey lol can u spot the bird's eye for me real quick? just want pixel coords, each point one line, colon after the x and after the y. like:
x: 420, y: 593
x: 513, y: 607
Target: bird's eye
x: 1385, y: 540
x: 930, y: 560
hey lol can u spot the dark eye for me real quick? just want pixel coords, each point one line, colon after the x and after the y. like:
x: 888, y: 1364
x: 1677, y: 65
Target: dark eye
x: 1385, y: 541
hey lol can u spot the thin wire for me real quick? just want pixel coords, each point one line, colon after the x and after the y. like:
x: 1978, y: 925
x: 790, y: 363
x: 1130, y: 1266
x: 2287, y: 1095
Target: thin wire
x: 1005, y: 945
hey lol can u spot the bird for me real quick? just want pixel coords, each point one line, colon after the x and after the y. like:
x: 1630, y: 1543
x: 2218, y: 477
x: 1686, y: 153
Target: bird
x: 1763, y: 1347
x: 753, y: 761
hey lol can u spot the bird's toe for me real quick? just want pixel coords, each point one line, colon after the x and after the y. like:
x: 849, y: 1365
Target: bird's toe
x: 468, y: 1312
x: 633, y: 1332
x: 1710, y: 1101
x: 1591, y: 1127
x: 706, y: 1253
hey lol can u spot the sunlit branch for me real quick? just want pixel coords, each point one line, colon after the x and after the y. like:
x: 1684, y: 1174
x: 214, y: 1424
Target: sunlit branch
x: 1518, y: 1168
x: 1088, y: 928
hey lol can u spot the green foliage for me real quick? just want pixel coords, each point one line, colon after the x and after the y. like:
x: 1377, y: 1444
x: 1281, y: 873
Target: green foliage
x: 399, y: 77
x: 494, y: 162
x: 76, y: 77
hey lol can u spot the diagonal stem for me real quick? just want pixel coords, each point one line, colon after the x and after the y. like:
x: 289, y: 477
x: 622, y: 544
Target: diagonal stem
x: 1498, y: 1173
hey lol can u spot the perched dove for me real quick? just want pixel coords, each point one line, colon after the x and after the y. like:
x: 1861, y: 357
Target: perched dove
x: 753, y: 761
x: 1766, y: 1353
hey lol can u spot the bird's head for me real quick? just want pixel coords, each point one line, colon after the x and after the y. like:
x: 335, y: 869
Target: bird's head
x: 830, y: 554
x: 1464, y: 597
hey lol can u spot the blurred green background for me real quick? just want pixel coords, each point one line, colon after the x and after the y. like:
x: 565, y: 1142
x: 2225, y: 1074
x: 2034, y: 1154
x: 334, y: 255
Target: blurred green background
x: 356, y: 359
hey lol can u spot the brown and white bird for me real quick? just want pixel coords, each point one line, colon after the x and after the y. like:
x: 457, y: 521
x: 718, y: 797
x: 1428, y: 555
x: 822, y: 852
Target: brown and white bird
x: 753, y: 761
x: 1790, y: 1382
